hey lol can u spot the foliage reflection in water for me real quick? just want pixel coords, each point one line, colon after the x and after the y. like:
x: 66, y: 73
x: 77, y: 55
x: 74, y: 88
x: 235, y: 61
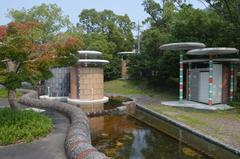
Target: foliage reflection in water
x: 124, y: 137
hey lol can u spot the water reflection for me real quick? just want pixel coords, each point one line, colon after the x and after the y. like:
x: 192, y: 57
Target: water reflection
x: 139, y: 143
x: 123, y: 137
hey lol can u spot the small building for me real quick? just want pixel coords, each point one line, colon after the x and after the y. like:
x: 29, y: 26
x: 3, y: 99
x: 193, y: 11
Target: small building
x: 124, y: 62
x: 82, y: 83
x: 87, y: 79
x: 211, y: 79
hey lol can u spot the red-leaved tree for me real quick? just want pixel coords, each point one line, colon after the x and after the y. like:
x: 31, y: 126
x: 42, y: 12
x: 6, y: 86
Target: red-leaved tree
x: 23, y: 56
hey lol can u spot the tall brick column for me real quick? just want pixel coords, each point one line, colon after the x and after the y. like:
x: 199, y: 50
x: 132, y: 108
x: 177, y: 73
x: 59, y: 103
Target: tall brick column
x: 124, y: 69
x: 225, y: 83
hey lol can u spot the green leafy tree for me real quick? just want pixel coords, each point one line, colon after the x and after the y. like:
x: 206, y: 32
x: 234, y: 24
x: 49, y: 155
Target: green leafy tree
x: 109, y: 33
x: 200, y: 26
x: 49, y: 15
x: 172, y: 21
x: 230, y: 12
x: 152, y: 64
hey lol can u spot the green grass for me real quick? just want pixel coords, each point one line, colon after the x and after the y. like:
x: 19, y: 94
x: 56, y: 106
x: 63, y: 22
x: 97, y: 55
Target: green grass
x: 22, y: 126
x: 4, y: 93
x: 124, y: 87
x: 130, y: 87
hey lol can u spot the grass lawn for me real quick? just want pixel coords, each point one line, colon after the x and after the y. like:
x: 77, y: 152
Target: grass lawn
x: 22, y: 126
x: 4, y: 93
x: 129, y: 87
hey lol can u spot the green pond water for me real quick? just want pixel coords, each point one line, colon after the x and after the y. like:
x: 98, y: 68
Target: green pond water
x: 123, y: 137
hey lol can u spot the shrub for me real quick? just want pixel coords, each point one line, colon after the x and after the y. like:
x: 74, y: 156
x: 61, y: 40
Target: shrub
x: 22, y: 126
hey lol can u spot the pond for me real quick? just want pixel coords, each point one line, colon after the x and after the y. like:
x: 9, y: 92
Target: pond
x: 123, y: 137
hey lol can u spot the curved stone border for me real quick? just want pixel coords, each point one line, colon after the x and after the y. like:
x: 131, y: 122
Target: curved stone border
x: 78, y: 139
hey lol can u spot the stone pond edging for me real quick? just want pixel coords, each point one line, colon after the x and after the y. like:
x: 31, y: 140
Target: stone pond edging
x: 78, y: 140
x: 191, y: 129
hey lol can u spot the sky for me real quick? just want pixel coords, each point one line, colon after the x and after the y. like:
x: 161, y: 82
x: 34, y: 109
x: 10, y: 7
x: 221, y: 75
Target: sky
x: 72, y: 8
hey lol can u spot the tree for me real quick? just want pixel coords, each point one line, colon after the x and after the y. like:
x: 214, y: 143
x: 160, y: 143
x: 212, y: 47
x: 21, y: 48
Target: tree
x: 115, y: 28
x: 230, y: 10
x: 200, y: 26
x: 177, y: 22
x: 109, y: 33
x: 24, y: 57
x: 152, y: 64
x: 49, y: 15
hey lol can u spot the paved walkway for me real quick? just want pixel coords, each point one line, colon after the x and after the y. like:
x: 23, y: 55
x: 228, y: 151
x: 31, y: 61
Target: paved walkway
x: 197, y: 105
x: 50, y: 147
x: 3, y: 102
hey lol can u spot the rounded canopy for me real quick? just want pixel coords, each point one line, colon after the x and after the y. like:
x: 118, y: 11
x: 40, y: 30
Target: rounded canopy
x: 182, y: 46
x: 89, y: 52
x: 126, y: 53
x: 213, y: 51
x: 93, y: 61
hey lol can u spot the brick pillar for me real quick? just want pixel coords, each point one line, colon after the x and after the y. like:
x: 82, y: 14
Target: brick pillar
x: 235, y: 82
x: 73, y: 83
x: 225, y: 83
x: 124, y: 69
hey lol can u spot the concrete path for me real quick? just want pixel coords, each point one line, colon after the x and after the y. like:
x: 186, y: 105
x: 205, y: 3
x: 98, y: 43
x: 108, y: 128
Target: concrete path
x: 50, y: 147
x: 3, y: 103
x: 196, y: 105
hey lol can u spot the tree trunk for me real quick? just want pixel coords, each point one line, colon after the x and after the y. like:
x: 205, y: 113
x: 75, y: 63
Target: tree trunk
x: 12, y: 99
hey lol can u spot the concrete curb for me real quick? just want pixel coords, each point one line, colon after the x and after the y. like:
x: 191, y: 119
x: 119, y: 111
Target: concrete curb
x: 78, y: 140
x: 190, y: 129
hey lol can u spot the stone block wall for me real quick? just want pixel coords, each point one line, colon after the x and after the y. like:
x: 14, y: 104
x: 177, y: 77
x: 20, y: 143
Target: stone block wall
x: 91, y: 82
x: 86, y: 83
x: 92, y: 107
